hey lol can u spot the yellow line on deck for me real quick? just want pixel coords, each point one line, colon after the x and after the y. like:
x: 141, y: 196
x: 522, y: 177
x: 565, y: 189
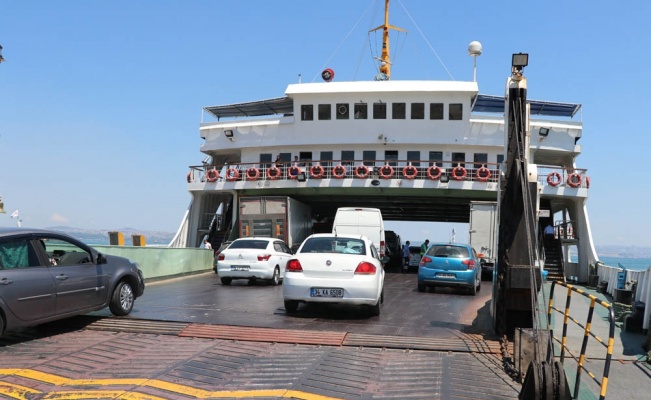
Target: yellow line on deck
x: 21, y: 392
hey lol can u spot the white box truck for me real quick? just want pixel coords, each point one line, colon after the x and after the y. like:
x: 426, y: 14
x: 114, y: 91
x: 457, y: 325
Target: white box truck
x: 361, y: 221
x: 275, y: 216
x: 482, y: 233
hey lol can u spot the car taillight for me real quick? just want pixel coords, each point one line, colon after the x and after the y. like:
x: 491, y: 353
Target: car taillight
x: 293, y: 265
x: 469, y: 263
x: 263, y: 257
x: 365, y: 268
x: 425, y: 260
x: 220, y: 257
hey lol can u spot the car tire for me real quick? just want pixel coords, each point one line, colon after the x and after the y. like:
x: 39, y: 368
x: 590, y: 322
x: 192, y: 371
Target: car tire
x: 375, y: 310
x: 421, y: 287
x: 275, y: 280
x: 122, y: 299
x: 226, y: 281
x: 473, y: 290
x: 2, y: 325
x: 479, y: 285
x: 291, y: 306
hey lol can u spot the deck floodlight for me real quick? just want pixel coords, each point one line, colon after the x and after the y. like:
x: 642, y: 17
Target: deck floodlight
x: 229, y: 134
x: 543, y: 132
x: 301, y: 177
x: 520, y: 60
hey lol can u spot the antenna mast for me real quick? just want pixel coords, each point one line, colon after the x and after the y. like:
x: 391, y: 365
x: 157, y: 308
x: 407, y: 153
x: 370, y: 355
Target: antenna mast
x: 385, y: 59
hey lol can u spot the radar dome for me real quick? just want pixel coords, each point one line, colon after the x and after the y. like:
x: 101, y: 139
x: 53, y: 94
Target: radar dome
x: 474, y: 48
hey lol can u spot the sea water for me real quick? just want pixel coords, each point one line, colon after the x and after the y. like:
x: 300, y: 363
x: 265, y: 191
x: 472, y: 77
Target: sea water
x: 636, y: 264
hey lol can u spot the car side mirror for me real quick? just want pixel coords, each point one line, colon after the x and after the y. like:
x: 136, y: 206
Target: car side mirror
x: 385, y: 260
x: 101, y: 259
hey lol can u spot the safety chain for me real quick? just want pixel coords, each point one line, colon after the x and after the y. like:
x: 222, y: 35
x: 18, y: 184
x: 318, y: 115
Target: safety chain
x: 507, y: 360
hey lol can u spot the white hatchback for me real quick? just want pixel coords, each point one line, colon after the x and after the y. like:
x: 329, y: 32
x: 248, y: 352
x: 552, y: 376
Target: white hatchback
x: 253, y: 258
x: 330, y: 268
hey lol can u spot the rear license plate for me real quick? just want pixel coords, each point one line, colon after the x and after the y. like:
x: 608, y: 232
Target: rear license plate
x: 449, y: 276
x: 317, y: 292
x: 240, y: 267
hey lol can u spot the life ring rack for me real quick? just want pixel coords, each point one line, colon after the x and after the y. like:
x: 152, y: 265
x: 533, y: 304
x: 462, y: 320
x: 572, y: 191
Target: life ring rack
x: 275, y: 174
x: 190, y: 177
x: 362, y: 171
x: 483, y: 174
x: 212, y: 175
x: 434, y: 175
x: 553, y: 179
x: 317, y: 171
x: 459, y: 173
x: 410, y: 172
x: 385, y: 171
x: 574, y: 179
x: 232, y: 174
x: 252, y: 174
x: 293, y: 172
x: 339, y: 171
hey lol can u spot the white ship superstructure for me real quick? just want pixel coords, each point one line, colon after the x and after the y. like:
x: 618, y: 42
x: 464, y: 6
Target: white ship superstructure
x: 418, y: 150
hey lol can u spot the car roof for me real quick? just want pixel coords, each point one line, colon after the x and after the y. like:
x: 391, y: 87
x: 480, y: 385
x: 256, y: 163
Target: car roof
x: 9, y: 231
x: 268, y: 239
x: 340, y: 235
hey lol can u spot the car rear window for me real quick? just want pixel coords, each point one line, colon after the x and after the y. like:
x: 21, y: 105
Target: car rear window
x: 249, y: 244
x: 448, y: 251
x: 334, y: 245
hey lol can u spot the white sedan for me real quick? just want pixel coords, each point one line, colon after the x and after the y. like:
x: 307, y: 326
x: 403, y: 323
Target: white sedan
x: 330, y: 268
x: 253, y: 258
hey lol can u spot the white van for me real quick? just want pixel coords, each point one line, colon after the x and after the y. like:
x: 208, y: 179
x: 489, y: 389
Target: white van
x: 361, y: 221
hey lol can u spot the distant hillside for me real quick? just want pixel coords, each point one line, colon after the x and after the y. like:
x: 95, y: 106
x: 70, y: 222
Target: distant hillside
x: 101, y: 236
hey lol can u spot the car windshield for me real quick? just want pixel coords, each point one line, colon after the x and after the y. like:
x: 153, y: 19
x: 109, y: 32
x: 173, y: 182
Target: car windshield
x: 448, y: 251
x: 249, y: 244
x: 334, y: 245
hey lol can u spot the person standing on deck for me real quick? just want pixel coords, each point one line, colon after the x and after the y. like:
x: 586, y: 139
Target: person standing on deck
x: 423, y: 247
x: 406, y: 254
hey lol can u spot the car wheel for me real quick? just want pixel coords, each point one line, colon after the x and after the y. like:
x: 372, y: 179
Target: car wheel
x: 2, y: 326
x: 382, y: 296
x: 122, y: 299
x: 226, y: 281
x: 275, y: 280
x: 291, y: 306
x: 375, y: 310
x: 421, y: 287
x: 479, y: 285
x: 473, y: 290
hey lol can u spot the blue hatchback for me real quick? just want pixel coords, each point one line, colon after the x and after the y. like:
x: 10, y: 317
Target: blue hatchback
x: 451, y: 265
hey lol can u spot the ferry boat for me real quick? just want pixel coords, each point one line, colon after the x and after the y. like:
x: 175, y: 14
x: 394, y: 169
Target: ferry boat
x: 419, y: 150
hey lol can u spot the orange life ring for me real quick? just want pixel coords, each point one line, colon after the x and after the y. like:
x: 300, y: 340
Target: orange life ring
x: 434, y: 175
x: 386, y: 171
x: 483, y: 174
x: 587, y: 182
x: 252, y: 174
x: 232, y: 174
x: 190, y: 177
x: 339, y: 171
x: 317, y: 171
x: 553, y: 179
x: 212, y: 175
x: 276, y: 173
x: 362, y: 171
x: 574, y: 179
x: 459, y: 173
x: 293, y: 172
x: 407, y: 174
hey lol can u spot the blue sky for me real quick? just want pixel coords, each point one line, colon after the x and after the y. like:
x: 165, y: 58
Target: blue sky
x: 100, y: 101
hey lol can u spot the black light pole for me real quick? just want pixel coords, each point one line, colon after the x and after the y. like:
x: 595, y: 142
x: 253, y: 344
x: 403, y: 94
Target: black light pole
x: 2, y: 205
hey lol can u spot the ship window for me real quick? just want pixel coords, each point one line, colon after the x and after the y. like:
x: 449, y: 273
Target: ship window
x: 414, y: 158
x: 379, y: 111
x: 480, y: 159
x: 265, y: 160
x: 342, y: 111
x: 361, y: 111
x: 325, y: 112
x: 307, y: 112
x: 347, y: 156
x: 458, y: 159
x: 456, y: 112
x: 436, y: 157
x: 305, y: 157
x: 369, y: 157
x: 500, y: 158
x: 417, y: 110
x: 435, y: 110
x: 326, y: 158
x: 391, y: 157
x: 398, y: 110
